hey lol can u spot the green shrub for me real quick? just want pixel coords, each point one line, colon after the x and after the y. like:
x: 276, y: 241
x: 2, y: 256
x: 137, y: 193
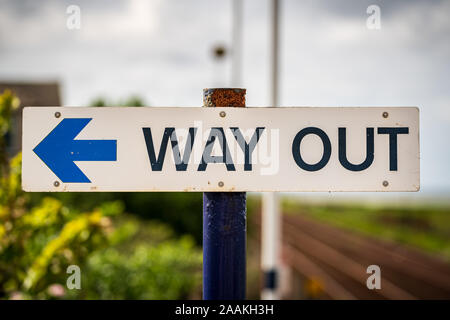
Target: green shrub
x: 169, y: 270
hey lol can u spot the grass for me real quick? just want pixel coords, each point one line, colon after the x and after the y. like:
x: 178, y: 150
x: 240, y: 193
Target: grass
x: 423, y: 227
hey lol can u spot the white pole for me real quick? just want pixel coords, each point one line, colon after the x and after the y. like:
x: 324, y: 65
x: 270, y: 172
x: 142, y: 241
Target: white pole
x: 236, y: 66
x: 270, y: 246
x: 270, y: 221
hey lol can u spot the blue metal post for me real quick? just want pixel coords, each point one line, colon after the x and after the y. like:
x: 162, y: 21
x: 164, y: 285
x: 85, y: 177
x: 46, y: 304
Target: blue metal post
x: 224, y: 225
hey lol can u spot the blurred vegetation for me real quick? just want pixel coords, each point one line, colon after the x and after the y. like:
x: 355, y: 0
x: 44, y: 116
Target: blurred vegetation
x: 422, y: 226
x: 120, y: 257
x: 182, y: 211
x: 143, y: 261
x: 169, y: 270
x: 132, y: 101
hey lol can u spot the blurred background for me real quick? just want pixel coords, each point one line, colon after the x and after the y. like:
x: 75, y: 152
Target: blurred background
x: 163, y: 53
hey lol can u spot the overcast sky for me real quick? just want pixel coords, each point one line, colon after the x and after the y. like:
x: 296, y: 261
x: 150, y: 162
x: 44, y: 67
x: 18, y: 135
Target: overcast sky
x: 161, y: 50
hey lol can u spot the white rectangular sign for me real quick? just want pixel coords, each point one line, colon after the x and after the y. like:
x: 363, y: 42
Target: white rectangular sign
x: 220, y: 149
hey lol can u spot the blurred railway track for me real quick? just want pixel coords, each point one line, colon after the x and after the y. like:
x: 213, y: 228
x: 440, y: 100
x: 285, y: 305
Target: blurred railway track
x: 336, y: 261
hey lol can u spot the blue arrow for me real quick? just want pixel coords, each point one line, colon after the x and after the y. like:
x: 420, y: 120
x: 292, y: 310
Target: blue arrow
x: 59, y: 150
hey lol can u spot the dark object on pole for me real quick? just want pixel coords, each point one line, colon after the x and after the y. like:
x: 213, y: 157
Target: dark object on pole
x: 219, y: 52
x: 270, y: 279
x: 224, y: 224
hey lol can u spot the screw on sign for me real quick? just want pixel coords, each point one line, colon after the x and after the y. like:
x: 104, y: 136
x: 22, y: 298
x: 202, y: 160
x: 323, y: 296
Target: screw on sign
x: 223, y: 150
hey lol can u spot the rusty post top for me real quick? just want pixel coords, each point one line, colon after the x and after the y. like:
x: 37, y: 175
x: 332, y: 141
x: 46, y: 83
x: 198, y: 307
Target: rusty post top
x: 224, y: 97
